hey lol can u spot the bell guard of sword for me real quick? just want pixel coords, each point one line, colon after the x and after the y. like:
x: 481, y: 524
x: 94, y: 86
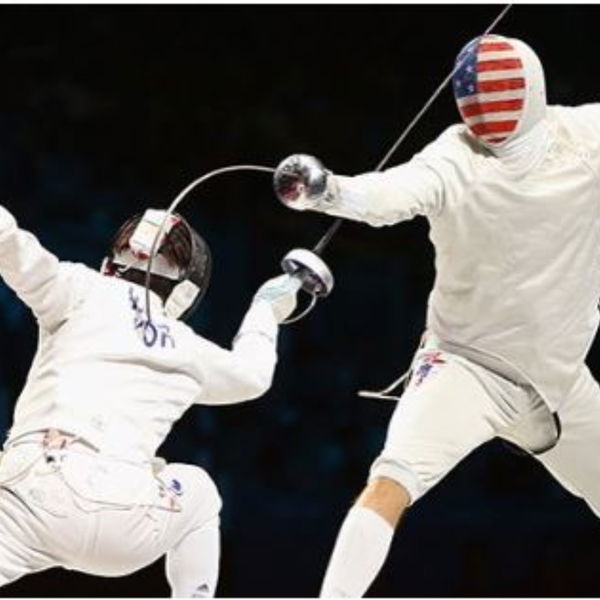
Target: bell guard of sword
x: 301, y: 182
x: 306, y: 267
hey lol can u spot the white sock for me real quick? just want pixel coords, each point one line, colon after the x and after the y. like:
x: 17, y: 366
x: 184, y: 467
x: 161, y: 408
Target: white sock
x: 193, y: 564
x: 360, y: 550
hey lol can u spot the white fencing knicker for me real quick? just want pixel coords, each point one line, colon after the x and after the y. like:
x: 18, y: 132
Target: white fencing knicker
x: 452, y: 405
x: 65, y: 504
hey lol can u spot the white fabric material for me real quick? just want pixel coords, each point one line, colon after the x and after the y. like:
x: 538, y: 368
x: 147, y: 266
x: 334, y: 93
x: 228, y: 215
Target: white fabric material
x: 527, y: 145
x: 524, y: 153
x: 574, y: 460
x: 181, y: 298
x: 360, y: 551
x: 452, y: 405
x: 193, y: 564
x: 103, y: 372
x: 46, y: 510
x: 518, y: 277
x: 117, y: 382
x: 534, y: 109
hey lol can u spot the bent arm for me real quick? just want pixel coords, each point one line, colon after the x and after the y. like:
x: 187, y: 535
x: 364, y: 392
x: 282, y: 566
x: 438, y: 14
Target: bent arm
x: 246, y: 371
x: 34, y: 273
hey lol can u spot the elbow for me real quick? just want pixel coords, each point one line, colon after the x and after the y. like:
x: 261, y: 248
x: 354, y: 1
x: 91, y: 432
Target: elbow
x: 256, y: 385
x: 379, y: 221
x: 247, y: 384
x: 255, y: 375
x: 237, y: 391
x: 242, y: 380
x: 387, y: 218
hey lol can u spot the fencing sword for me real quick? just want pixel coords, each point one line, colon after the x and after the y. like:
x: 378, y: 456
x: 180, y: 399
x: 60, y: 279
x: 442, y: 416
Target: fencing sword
x: 316, y: 181
x: 160, y: 233
x: 307, y: 266
x: 312, y: 274
x: 314, y: 185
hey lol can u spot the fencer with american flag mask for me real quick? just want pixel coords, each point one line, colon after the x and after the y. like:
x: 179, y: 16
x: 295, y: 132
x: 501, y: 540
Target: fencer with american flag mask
x: 80, y: 485
x: 512, y: 196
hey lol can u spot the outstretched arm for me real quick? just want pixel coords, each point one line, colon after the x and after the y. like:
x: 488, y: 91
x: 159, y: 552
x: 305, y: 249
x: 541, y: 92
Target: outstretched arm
x: 418, y: 187
x: 386, y: 198
x: 35, y: 274
x: 246, y: 371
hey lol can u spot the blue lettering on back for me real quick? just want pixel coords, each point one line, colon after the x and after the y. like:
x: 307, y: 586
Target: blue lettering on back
x: 149, y: 332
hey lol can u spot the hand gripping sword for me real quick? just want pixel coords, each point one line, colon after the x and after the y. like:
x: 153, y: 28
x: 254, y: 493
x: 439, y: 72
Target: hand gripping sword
x: 307, y: 266
x: 313, y: 184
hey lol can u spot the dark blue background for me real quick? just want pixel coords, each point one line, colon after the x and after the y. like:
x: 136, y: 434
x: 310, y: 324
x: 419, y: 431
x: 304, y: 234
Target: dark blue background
x: 105, y: 110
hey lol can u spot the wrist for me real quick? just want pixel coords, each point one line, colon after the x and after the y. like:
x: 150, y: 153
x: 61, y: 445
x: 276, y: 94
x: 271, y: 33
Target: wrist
x: 260, y: 317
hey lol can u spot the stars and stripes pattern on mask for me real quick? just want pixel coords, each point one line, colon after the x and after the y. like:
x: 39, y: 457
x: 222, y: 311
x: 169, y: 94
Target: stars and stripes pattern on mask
x: 489, y: 87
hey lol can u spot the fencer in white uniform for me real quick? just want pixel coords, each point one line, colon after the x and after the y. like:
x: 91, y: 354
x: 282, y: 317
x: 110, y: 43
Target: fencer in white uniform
x: 80, y: 485
x: 512, y: 196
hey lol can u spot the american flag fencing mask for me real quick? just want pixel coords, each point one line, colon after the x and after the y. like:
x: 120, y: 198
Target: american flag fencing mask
x: 499, y: 88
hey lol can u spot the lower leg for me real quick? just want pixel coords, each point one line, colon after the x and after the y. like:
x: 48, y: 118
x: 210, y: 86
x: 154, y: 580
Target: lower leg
x: 193, y: 564
x: 364, y: 539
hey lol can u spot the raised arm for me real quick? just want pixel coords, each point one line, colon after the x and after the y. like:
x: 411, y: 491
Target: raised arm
x: 418, y: 187
x: 50, y: 288
x: 246, y: 371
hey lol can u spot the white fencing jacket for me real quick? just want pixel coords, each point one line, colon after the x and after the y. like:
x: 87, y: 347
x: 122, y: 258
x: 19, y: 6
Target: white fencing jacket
x: 102, y: 373
x: 517, y: 250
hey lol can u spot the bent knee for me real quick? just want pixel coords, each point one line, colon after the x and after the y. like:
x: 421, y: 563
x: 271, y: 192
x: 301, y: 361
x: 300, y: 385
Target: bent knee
x: 387, y: 497
x: 402, y: 472
x: 386, y: 489
x: 195, y: 487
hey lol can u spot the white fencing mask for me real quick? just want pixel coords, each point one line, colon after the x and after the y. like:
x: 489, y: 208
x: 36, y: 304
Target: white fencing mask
x: 500, y: 92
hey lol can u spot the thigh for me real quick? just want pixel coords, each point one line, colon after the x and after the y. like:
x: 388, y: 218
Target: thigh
x: 127, y: 540
x: 21, y: 549
x: 449, y: 408
x: 195, y: 497
x: 574, y: 460
x: 93, y: 514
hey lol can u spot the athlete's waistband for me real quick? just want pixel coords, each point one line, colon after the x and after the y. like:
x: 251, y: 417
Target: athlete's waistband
x: 51, y: 439
x: 483, y: 358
